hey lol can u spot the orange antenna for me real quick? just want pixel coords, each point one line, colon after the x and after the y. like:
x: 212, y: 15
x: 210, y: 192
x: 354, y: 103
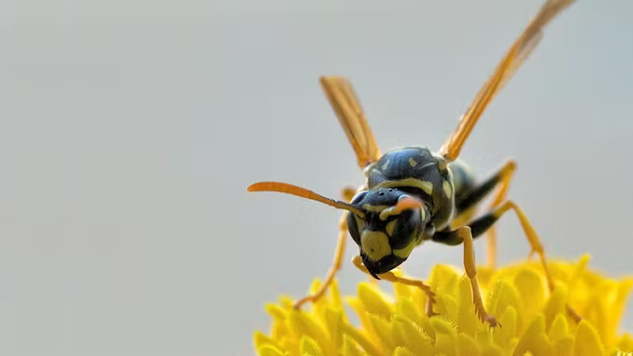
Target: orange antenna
x: 303, y: 193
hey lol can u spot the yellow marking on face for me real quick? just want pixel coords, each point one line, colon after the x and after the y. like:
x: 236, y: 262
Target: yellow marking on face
x: 426, y: 187
x: 388, y: 212
x: 390, y: 226
x: 375, y: 244
x: 375, y: 208
x: 447, y: 189
x: 384, y: 166
x: 412, y: 162
x: 423, y: 214
x: 405, y: 251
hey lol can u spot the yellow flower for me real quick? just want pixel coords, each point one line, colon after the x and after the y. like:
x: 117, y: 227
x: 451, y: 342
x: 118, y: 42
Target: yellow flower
x: 533, y: 321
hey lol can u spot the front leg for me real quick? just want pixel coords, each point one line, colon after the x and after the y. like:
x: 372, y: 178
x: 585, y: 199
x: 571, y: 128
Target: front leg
x: 464, y: 235
x: 391, y: 277
x: 348, y: 194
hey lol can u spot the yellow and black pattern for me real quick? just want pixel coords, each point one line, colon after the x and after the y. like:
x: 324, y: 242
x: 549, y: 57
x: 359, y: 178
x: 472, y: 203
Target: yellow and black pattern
x: 418, y: 172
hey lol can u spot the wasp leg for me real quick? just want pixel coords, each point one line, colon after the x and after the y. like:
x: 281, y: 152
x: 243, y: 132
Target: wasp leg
x: 464, y: 235
x: 501, y: 181
x: 391, y: 277
x: 348, y: 194
x: 505, y: 177
x: 483, y: 224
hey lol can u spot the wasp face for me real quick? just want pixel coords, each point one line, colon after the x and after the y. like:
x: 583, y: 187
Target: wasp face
x: 386, y: 234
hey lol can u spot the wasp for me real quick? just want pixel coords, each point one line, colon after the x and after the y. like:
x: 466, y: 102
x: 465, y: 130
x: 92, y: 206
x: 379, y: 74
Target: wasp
x: 413, y: 195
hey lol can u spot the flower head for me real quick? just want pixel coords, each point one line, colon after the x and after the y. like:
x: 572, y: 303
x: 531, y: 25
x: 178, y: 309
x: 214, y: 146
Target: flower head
x: 533, y: 320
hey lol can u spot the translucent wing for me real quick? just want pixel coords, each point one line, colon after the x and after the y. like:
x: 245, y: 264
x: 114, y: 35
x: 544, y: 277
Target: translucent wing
x: 506, y: 68
x: 348, y: 110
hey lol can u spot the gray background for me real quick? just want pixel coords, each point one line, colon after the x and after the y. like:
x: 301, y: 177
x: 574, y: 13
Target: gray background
x: 129, y: 131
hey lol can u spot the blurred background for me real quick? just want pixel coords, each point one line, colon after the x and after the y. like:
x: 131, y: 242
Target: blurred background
x: 129, y: 131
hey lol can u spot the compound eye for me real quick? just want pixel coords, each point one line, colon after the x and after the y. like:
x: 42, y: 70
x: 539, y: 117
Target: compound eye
x: 404, y: 228
x: 355, y: 225
x: 358, y: 197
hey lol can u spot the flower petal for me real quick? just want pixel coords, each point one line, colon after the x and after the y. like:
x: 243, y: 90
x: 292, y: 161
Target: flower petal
x: 269, y: 350
x: 587, y: 341
x: 466, y: 346
x: 445, y: 336
x: 309, y: 347
x: 408, y: 334
x: 374, y: 300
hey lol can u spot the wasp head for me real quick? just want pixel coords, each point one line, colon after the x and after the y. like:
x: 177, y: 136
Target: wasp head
x: 391, y: 226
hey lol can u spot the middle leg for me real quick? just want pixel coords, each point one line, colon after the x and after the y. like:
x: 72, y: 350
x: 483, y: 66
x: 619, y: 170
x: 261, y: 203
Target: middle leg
x: 469, y: 199
x: 483, y: 224
x: 464, y: 235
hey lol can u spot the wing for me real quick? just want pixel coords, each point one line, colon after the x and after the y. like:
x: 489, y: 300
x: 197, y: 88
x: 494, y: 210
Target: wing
x: 506, y: 68
x: 348, y: 110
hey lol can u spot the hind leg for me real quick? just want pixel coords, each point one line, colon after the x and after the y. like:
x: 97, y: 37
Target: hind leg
x: 506, y: 173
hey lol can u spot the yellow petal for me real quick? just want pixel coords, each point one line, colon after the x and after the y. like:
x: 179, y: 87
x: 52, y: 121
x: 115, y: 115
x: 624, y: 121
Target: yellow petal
x: 445, y: 336
x: 504, y: 335
x: 351, y: 347
x: 406, y: 333
x: 335, y: 295
x: 334, y: 319
x: 259, y: 339
x: 401, y: 351
x: 564, y: 346
x: 303, y: 325
x: 362, y: 340
x: 374, y: 300
x: 310, y: 347
x: 626, y: 343
x: 559, y: 328
x: 466, y: 318
x: 269, y: 350
x: 406, y: 307
x: 534, y: 339
x: 363, y: 315
x: 466, y: 346
x: 444, y: 279
x: 504, y: 295
x: 587, y: 341
x: 531, y: 288
x: 555, y: 305
x: 448, y: 307
x: 382, y: 328
x: 401, y: 290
